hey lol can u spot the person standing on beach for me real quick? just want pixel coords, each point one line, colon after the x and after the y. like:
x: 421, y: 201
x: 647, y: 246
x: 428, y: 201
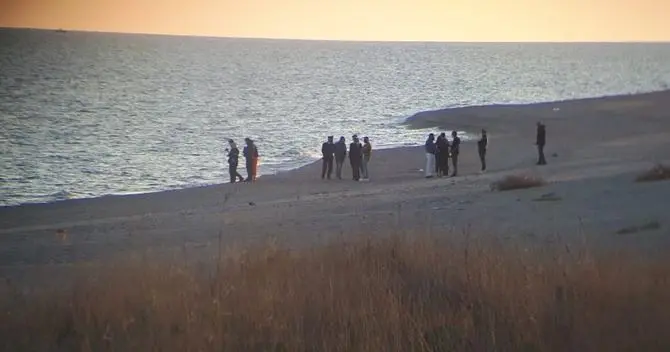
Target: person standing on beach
x: 540, y: 140
x: 438, y: 156
x: 328, y: 152
x: 355, y: 157
x: 367, y: 152
x: 482, y: 144
x: 442, y: 155
x: 430, y: 155
x: 233, y: 160
x: 455, y: 150
x: 340, y: 155
x: 251, y: 155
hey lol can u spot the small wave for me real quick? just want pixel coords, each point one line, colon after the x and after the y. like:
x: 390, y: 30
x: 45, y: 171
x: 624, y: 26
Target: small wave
x: 293, y: 153
x: 62, y: 195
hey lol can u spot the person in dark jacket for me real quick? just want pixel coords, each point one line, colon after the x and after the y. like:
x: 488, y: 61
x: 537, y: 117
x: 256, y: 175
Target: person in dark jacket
x: 355, y: 157
x: 540, y: 141
x: 482, y: 144
x: 340, y: 155
x: 251, y: 155
x: 366, y: 154
x: 442, y: 155
x: 438, y: 156
x: 430, y: 155
x: 233, y: 160
x: 328, y: 153
x: 455, y: 150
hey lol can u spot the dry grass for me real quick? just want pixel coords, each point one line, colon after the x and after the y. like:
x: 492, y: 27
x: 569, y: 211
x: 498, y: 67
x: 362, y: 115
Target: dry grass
x: 383, y: 295
x: 649, y: 226
x: 512, y: 182
x: 657, y: 173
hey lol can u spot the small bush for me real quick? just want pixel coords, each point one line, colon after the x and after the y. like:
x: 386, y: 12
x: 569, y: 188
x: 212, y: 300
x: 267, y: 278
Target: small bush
x: 517, y: 182
x: 657, y: 173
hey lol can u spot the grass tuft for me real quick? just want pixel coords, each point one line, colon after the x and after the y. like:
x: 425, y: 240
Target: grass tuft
x: 513, y: 182
x: 650, y: 226
x: 657, y: 173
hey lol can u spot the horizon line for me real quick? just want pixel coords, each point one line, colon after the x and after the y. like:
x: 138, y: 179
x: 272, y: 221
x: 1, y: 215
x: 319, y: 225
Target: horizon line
x: 49, y: 29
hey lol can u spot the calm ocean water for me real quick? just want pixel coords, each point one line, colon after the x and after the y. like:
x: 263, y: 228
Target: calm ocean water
x: 91, y: 114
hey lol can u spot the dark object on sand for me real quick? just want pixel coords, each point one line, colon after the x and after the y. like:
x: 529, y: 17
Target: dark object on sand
x: 650, y: 226
x: 657, y: 173
x: 512, y: 182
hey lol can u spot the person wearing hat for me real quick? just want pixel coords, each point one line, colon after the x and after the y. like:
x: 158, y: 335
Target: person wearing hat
x: 355, y: 157
x: 328, y: 153
x: 340, y: 155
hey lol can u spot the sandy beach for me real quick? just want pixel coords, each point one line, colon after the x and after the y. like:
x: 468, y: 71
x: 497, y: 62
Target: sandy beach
x: 595, y: 149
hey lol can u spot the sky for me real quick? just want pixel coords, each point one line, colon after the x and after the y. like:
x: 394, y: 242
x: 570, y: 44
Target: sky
x: 392, y: 20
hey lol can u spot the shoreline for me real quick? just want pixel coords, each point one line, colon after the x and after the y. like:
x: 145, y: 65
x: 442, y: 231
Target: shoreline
x: 482, y: 116
x: 438, y: 118
x: 595, y: 149
x: 386, y: 149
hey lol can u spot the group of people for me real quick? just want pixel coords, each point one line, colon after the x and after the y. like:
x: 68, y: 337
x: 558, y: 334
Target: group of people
x: 439, y: 151
x: 250, y: 153
x: 359, y: 157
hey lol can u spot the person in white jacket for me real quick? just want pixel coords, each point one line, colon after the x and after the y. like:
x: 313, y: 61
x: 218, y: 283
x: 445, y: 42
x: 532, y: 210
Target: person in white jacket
x: 430, y: 155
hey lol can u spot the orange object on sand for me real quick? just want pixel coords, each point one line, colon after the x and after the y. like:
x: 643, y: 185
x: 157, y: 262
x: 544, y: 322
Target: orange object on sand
x: 254, y: 170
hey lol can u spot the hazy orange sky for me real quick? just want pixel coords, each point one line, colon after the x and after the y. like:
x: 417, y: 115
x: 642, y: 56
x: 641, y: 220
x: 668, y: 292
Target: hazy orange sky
x: 429, y: 20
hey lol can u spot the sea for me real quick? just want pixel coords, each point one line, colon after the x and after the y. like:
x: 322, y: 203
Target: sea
x: 94, y: 114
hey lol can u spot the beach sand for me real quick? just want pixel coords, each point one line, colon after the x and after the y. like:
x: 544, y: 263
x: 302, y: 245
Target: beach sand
x: 595, y: 149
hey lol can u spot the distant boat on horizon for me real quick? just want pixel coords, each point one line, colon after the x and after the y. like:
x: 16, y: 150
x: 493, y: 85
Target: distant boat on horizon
x: 60, y: 30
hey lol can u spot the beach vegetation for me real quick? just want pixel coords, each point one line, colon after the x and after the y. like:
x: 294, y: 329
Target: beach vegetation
x: 657, y: 173
x: 392, y: 294
x: 512, y: 182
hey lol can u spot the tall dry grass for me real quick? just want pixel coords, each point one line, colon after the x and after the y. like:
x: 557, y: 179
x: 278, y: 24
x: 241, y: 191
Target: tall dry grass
x: 373, y: 295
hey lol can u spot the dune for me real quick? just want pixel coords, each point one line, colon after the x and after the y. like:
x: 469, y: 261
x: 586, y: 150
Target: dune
x: 595, y: 147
